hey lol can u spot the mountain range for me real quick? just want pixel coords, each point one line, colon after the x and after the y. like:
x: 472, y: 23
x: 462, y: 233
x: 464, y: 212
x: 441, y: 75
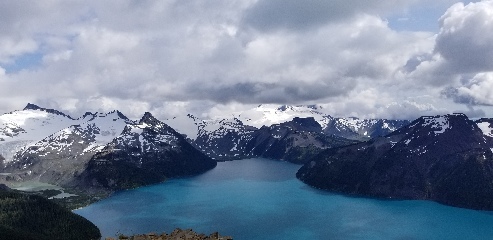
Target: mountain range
x: 45, y: 145
x: 446, y: 158
x: 110, y: 151
x: 267, y: 130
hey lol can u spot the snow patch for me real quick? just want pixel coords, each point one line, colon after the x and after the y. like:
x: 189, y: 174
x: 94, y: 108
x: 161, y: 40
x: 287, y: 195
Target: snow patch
x: 486, y: 129
x: 438, y: 124
x: 187, y: 125
x: 269, y: 114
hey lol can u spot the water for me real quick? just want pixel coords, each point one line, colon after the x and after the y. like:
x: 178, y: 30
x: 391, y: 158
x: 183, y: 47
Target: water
x: 262, y: 199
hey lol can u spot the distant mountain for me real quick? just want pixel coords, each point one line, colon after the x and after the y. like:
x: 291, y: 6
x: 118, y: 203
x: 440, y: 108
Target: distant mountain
x: 59, y: 157
x: 347, y: 127
x: 20, y: 129
x: 48, y: 146
x: 294, y: 141
x: 220, y: 139
x: 269, y: 114
x: 254, y: 133
x: 443, y: 158
x: 224, y: 139
x: 34, y: 217
x: 361, y: 129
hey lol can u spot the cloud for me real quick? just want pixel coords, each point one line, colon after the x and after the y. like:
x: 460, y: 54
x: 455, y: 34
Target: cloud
x: 462, y: 60
x: 178, y: 56
x: 476, y: 91
x: 465, y: 39
x: 464, y: 44
x: 296, y: 15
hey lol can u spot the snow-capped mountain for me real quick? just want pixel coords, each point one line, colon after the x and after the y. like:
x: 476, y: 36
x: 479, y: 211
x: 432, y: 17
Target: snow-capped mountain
x: 20, y: 129
x: 361, y: 129
x: 228, y: 138
x: 220, y: 139
x: 224, y: 139
x: 443, y: 158
x: 47, y: 145
x: 268, y: 114
x: 347, y: 127
x: 145, y: 152
x: 63, y: 155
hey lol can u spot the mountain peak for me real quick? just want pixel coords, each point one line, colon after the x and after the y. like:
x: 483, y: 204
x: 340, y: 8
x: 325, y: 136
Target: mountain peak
x: 31, y: 106
x: 87, y: 114
x: 284, y: 108
x: 121, y: 115
x: 296, y: 108
x: 148, y: 118
x: 441, y: 123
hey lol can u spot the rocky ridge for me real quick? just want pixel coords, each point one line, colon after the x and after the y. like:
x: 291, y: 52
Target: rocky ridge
x: 110, y: 151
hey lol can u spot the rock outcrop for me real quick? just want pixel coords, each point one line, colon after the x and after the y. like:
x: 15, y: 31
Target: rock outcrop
x: 177, y: 234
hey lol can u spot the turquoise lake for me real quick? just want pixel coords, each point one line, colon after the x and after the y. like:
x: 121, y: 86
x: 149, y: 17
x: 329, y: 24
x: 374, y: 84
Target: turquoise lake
x: 262, y: 199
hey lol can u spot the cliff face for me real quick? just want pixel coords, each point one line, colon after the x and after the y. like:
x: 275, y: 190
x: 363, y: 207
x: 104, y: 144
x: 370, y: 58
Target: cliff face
x: 444, y: 158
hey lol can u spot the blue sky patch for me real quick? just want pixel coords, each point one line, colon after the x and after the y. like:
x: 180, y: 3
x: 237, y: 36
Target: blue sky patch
x: 25, y: 61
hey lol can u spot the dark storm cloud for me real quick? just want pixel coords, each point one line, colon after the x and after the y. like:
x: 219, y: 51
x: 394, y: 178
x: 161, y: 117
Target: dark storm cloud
x: 258, y: 92
x: 453, y: 93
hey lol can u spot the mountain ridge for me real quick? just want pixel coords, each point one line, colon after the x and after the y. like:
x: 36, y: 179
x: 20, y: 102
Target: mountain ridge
x: 423, y: 160
x: 64, y: 153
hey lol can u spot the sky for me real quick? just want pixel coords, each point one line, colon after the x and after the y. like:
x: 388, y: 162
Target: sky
x: 396, y: 59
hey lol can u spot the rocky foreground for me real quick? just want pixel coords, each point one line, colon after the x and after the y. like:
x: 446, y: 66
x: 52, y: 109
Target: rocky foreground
x: 177, y: 234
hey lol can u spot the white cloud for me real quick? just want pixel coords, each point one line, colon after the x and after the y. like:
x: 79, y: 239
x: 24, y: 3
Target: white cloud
x: 10, y: 47
x: 206, y: 57
x: 465, y: 39
x: 476, y: 91
x: 464, y: 44
x: 274, y: 15
x: 462, y: 61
